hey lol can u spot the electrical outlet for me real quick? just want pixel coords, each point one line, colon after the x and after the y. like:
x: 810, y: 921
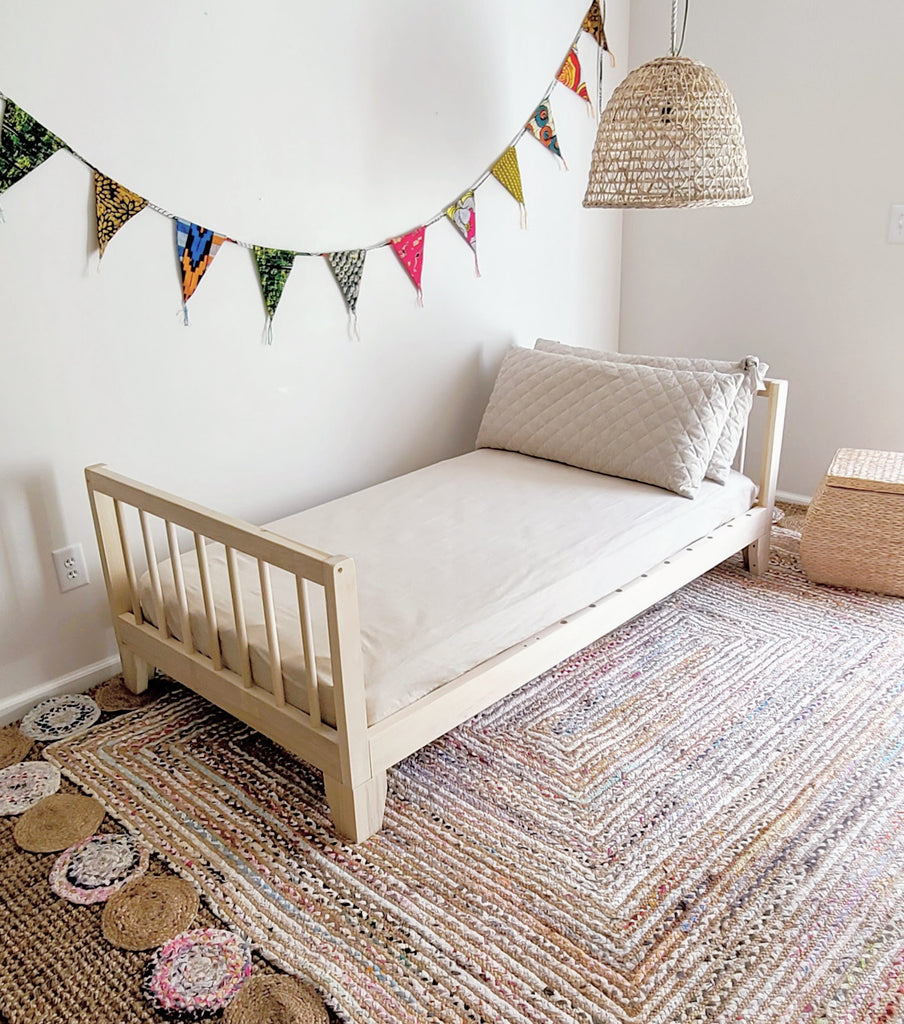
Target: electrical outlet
x: 896, y: 226
x: 70, y: 567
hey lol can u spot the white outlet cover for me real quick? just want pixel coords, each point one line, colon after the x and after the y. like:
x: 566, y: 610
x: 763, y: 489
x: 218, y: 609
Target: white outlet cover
x: 70, y: 566
x: 896, y: 226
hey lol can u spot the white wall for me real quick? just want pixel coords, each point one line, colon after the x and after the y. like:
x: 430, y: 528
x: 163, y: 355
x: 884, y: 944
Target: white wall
x: 804, y: 275
x: 302, y: 125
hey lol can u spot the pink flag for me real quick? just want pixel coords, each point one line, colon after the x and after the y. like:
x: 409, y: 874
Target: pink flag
x: 410, y: 251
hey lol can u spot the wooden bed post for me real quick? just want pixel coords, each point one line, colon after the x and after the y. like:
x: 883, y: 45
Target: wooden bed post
x: 135, y: 671
x: 357, y: 800
x: 756, y: 555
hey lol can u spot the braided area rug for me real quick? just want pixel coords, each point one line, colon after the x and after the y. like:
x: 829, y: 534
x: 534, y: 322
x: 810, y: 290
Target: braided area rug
x: 697, y: 818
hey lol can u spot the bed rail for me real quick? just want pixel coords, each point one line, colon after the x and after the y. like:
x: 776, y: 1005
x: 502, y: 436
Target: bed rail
x: 195, y: 656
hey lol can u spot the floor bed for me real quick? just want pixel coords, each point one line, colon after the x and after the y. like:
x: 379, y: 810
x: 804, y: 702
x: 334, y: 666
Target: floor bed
x: 457, y: 583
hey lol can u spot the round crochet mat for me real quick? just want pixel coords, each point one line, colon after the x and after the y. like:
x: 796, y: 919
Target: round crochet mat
x: 24, y: 785
x: 59, y: 717
x: 197, y: 973
x: 57, y: 822
x: 97, y: 867
x: 276, y: 999
x: 113, y: 696
x: 149, y: 911
x: 14, y: 747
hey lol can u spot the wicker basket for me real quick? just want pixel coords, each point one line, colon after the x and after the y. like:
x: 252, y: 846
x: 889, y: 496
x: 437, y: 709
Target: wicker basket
x: 853, y: 535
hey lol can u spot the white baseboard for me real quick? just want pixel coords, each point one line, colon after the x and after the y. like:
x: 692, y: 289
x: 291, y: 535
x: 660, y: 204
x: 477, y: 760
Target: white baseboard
x: 14, y: 707
x: 795, y: 499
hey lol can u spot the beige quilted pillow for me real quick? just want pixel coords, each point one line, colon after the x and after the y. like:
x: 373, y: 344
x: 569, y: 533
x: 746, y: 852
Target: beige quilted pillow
x: 638, y: 422
x: 754, y: 374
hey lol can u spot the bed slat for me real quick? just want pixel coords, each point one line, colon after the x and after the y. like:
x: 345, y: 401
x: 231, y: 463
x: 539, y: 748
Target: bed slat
x: 179, y: 583
x: 307, y: 646
x: 272, y: 639
x: 238, y: 612
x: 154, y: 572
x: 127, y: 560
x: 210, y: 608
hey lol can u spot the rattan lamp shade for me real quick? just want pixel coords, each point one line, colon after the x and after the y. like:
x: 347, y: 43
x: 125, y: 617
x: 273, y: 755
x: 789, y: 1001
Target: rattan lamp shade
x: 669, y: 137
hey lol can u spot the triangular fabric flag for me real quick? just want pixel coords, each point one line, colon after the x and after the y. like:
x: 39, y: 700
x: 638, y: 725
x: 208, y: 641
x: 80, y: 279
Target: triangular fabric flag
x: 506, y: 171
x: 410, y: 251
x: 543, y: 129
x: 347, y: 268
x: 196, y: 247
x: 24, y: 145
x: 115, y: 206
x: 273, y: 269
x: 595, y: 25
x: 463, y: 214
x: 570, y: 75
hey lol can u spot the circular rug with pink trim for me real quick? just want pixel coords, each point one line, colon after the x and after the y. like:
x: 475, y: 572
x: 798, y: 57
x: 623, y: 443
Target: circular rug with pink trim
x: 197, y: 973
x: 97, y: 867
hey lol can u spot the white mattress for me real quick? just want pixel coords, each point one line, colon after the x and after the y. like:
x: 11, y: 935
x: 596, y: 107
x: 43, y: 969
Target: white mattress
x: 458, y: 561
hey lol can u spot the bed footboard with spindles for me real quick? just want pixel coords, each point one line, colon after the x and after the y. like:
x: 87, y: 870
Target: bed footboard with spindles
x: 354, y: 791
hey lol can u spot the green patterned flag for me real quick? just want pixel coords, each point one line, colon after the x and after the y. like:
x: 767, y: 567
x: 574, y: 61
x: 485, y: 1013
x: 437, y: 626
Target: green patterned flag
x: 347, y: 268
x: 24, y: 145
x: 273, y: 269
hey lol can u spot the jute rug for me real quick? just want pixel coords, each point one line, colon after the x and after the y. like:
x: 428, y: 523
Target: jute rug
x: 697, y: 818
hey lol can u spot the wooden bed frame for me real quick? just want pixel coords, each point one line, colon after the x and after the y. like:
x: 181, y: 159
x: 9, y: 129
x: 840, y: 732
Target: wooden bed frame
x: 354, y: 756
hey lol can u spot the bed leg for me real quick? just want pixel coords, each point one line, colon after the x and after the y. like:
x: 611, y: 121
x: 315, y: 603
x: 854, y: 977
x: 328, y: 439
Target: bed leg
x: 357, y: 812
x: 135, y: 671
x: 756, y: 555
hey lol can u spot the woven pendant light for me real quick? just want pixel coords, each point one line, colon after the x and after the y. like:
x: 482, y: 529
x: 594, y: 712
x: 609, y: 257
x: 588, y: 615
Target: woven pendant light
x: 669, y: 137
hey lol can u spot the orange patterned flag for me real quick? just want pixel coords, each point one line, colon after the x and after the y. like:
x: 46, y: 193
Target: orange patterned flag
x: 115, y: 206
x: 570, y: 75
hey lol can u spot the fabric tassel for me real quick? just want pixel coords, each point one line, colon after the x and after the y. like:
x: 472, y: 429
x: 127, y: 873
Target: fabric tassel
x: 523, y: 217
x: 353, y: 334
x: 2, y: 216
x: 267, y: 337
x: 185, y: 320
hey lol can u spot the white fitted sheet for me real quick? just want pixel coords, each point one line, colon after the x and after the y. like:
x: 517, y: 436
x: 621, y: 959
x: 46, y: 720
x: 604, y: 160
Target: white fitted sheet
x: 455, y: 563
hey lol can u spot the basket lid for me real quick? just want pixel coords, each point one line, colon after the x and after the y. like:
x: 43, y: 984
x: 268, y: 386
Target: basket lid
x: 864, y: 469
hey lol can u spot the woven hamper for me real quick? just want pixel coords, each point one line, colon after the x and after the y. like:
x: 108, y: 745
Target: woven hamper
x: 853, y: 535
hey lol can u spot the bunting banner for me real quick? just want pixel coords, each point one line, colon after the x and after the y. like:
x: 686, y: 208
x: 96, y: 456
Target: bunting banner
x: 506, y: 171
x: 196, y: 247
x: 463, y: 214
x: 410, y: 251
x: 273, y: 269
x: 24, y: 145
x: 570, y: 75
x: 115, y: 205
x: 543, y: 129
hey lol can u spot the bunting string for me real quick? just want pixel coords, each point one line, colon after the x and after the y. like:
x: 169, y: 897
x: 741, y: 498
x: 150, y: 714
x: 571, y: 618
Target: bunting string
x: 25, y: 144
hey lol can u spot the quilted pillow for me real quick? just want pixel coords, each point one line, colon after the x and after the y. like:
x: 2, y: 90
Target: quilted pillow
x: 754, y: 374
x: 634, y: 421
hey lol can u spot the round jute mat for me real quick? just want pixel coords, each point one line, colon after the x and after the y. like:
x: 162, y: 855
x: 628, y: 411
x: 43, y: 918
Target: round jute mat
x: 276, y: 999
x: 14, y: 746
x: 57, y: 822
x: 113, y: 696
x: 149, y: 911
